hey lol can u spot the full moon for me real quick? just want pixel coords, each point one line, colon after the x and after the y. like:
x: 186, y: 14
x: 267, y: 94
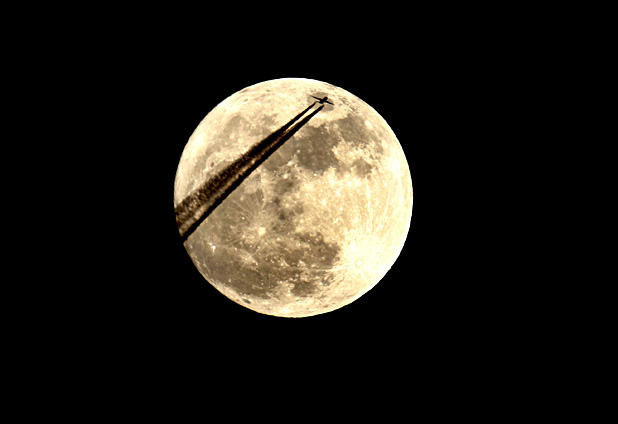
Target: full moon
x: 320, y: 221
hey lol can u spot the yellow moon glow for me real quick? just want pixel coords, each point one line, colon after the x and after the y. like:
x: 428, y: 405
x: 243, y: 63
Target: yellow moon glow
x: 320, y: 222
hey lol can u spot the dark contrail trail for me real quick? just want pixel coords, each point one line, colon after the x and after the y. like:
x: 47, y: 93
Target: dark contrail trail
x: 196, y: 207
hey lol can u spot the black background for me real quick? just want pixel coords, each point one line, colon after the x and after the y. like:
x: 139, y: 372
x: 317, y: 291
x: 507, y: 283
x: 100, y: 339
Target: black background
x: 442, y: 293
x: 165, y: 292
x: 123, y: 298
x: 120, y: 304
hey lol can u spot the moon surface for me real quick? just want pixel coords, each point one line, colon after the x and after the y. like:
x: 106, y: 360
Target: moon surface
x: 320, y: 222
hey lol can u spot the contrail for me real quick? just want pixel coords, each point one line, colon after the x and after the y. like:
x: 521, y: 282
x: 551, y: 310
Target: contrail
x: 196, y: 207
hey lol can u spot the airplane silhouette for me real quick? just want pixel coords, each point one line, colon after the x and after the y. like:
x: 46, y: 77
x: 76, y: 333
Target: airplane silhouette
x: 323, y: 99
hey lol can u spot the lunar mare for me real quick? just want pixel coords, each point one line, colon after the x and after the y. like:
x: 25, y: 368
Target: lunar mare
x: 320, y: 222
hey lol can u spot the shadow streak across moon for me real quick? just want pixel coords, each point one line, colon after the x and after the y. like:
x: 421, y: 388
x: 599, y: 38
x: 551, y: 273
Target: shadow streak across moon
x: 197, y: 206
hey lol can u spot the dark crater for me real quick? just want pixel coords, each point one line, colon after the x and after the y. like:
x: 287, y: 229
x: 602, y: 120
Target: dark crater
x: 361, y: 168
x: 313, y: 149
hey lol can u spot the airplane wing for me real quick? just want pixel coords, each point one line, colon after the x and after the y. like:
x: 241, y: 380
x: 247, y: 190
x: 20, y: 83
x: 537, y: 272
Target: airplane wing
x: 316, y: 97
x: 327, y: 101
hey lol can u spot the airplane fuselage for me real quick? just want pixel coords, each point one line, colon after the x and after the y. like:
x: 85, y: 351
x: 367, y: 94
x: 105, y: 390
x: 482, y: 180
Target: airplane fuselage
x: 323, y: 100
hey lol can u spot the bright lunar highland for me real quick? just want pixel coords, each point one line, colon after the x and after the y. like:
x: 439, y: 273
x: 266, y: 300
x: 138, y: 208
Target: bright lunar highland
x: 319, y: 222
